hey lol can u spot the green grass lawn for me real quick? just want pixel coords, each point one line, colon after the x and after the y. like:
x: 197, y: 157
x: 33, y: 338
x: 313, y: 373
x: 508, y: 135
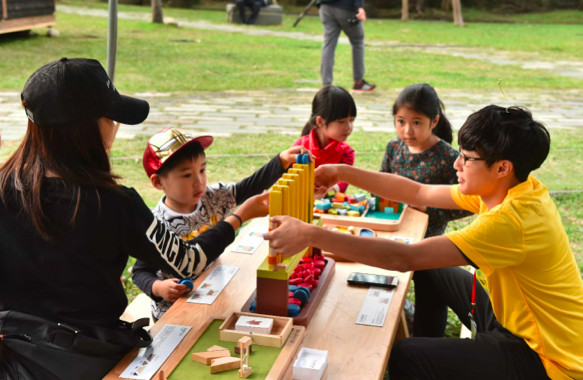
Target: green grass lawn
x: 167, y: 58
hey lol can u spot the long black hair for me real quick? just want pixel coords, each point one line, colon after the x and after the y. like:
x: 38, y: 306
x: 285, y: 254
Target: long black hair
x: 73, y: 152
x: 422, y: 98
x: 331, y: 103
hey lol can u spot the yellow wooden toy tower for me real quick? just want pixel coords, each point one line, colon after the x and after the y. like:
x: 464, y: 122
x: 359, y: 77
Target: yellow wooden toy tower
x: 293, y: 195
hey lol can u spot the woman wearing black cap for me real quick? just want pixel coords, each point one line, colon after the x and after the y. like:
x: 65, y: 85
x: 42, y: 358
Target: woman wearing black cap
x: 67, y: 229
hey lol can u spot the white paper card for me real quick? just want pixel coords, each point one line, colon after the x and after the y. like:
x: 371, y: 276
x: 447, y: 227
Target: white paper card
x: 249, y: 242
x: 254, y: 324
x: 213, y: 284
x: 151, y: 358
x: 375, y: 307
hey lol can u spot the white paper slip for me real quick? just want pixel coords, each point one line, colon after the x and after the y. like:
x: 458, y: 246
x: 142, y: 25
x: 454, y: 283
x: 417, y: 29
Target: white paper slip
x: 151, y: 358
x: 213, y: 285
x: 254, y: 324
x: 250, y: 241
x: 375, y: 307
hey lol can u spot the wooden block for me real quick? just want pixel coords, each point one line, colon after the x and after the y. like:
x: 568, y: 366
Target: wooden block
x: 225, y: 364
x: 207, y: 357
x: 216, y: 348
x: 161, y: 375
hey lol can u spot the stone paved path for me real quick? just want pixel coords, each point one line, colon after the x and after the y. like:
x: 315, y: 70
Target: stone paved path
x: 286, y: 110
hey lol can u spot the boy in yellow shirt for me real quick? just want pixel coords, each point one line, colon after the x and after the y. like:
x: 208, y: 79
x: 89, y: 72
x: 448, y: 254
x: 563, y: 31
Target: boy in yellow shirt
x: 530, y: 323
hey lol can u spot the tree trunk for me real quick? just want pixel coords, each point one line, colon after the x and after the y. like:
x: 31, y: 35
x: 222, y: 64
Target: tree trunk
x: 157, y: 16
x: 404, y: 10
x: 458, y: 18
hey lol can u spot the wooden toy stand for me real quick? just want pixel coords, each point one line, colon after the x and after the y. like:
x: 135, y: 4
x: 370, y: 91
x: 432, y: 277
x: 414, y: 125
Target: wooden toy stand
x: 288, y: 348
x: 316, y: 295
x: 375, y: 224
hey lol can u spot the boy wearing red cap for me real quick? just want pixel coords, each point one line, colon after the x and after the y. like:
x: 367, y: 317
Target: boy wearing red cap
x: 176, y: 164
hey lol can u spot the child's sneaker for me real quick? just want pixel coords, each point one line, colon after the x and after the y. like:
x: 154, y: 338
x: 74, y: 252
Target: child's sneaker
x: 363, y: 86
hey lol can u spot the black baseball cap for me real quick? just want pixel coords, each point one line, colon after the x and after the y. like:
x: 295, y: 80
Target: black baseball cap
x: 75, y: 90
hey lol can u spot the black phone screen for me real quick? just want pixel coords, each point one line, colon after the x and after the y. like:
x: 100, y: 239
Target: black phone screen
x: 368, y: 279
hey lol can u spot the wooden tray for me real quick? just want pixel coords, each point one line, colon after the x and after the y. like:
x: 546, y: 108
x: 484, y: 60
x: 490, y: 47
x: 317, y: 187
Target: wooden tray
x: 374, y: 224
x: 308, y: 310
x: 208, y: 336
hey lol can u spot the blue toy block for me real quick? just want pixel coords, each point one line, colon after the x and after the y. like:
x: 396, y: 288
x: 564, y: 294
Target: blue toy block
x: 188, y: 282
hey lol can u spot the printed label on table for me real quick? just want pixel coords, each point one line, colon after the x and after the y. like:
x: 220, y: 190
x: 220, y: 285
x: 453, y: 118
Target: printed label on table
x: 250, y: 241
x: 213, y: 285
x: 151, y: 358
x: 375, y: 307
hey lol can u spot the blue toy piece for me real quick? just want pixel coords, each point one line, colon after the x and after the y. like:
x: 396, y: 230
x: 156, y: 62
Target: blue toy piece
x: 253, y: 305
x: 293, y: 310
x: 292, y: 288
x: 303, y: 158
x: 303, y: 294
x: 188, y: 282
x: 366, y: 232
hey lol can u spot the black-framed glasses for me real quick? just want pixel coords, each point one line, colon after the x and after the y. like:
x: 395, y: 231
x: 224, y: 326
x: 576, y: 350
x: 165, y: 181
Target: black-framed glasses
x: 466, y: 158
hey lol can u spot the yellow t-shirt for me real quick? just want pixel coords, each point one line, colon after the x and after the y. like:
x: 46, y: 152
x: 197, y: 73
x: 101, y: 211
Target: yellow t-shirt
x: 533, y: 281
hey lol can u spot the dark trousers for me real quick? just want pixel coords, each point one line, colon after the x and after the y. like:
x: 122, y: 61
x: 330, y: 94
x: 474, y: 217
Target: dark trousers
x: 255, y: 6
x: 495, y: 353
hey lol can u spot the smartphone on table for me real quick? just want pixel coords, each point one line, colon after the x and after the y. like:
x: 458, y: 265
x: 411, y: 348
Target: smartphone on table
x: 368, y: 279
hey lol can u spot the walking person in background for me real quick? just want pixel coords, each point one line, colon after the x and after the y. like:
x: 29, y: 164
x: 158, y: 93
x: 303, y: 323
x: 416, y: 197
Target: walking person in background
x: 347, y: 16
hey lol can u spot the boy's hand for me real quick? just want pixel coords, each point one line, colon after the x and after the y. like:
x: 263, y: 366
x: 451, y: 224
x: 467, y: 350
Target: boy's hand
x: 169, y: 289
x: 256, y: 206
x: 289, y: 156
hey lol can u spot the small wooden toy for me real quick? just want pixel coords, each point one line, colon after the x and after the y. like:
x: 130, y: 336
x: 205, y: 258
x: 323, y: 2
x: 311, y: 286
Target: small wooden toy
x: 224, y: 364
x: 245, y: 350
x: 208, y: 356
x: 161, y: 375
x: 238, y: 350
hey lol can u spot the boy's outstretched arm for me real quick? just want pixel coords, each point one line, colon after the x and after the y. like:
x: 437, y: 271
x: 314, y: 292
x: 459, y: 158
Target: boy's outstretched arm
x: 386, y: 185
x: 293, y: 235
x: 267, y: 175
x: 144, y: 276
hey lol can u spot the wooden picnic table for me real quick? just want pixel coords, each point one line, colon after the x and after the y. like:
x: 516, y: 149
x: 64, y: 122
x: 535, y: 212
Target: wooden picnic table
x: 354, y: 351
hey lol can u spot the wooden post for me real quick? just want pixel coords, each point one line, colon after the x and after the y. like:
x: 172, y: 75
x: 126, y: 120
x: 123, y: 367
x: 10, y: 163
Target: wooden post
x: 404, y: 10
x: 4, y: 10
x: 458, y: 18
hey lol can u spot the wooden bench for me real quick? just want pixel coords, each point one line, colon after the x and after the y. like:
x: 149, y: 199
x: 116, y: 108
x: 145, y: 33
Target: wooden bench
x: 269, y: 15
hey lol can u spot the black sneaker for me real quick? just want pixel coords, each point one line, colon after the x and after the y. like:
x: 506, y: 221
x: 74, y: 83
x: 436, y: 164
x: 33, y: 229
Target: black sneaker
x: 363, y: 86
